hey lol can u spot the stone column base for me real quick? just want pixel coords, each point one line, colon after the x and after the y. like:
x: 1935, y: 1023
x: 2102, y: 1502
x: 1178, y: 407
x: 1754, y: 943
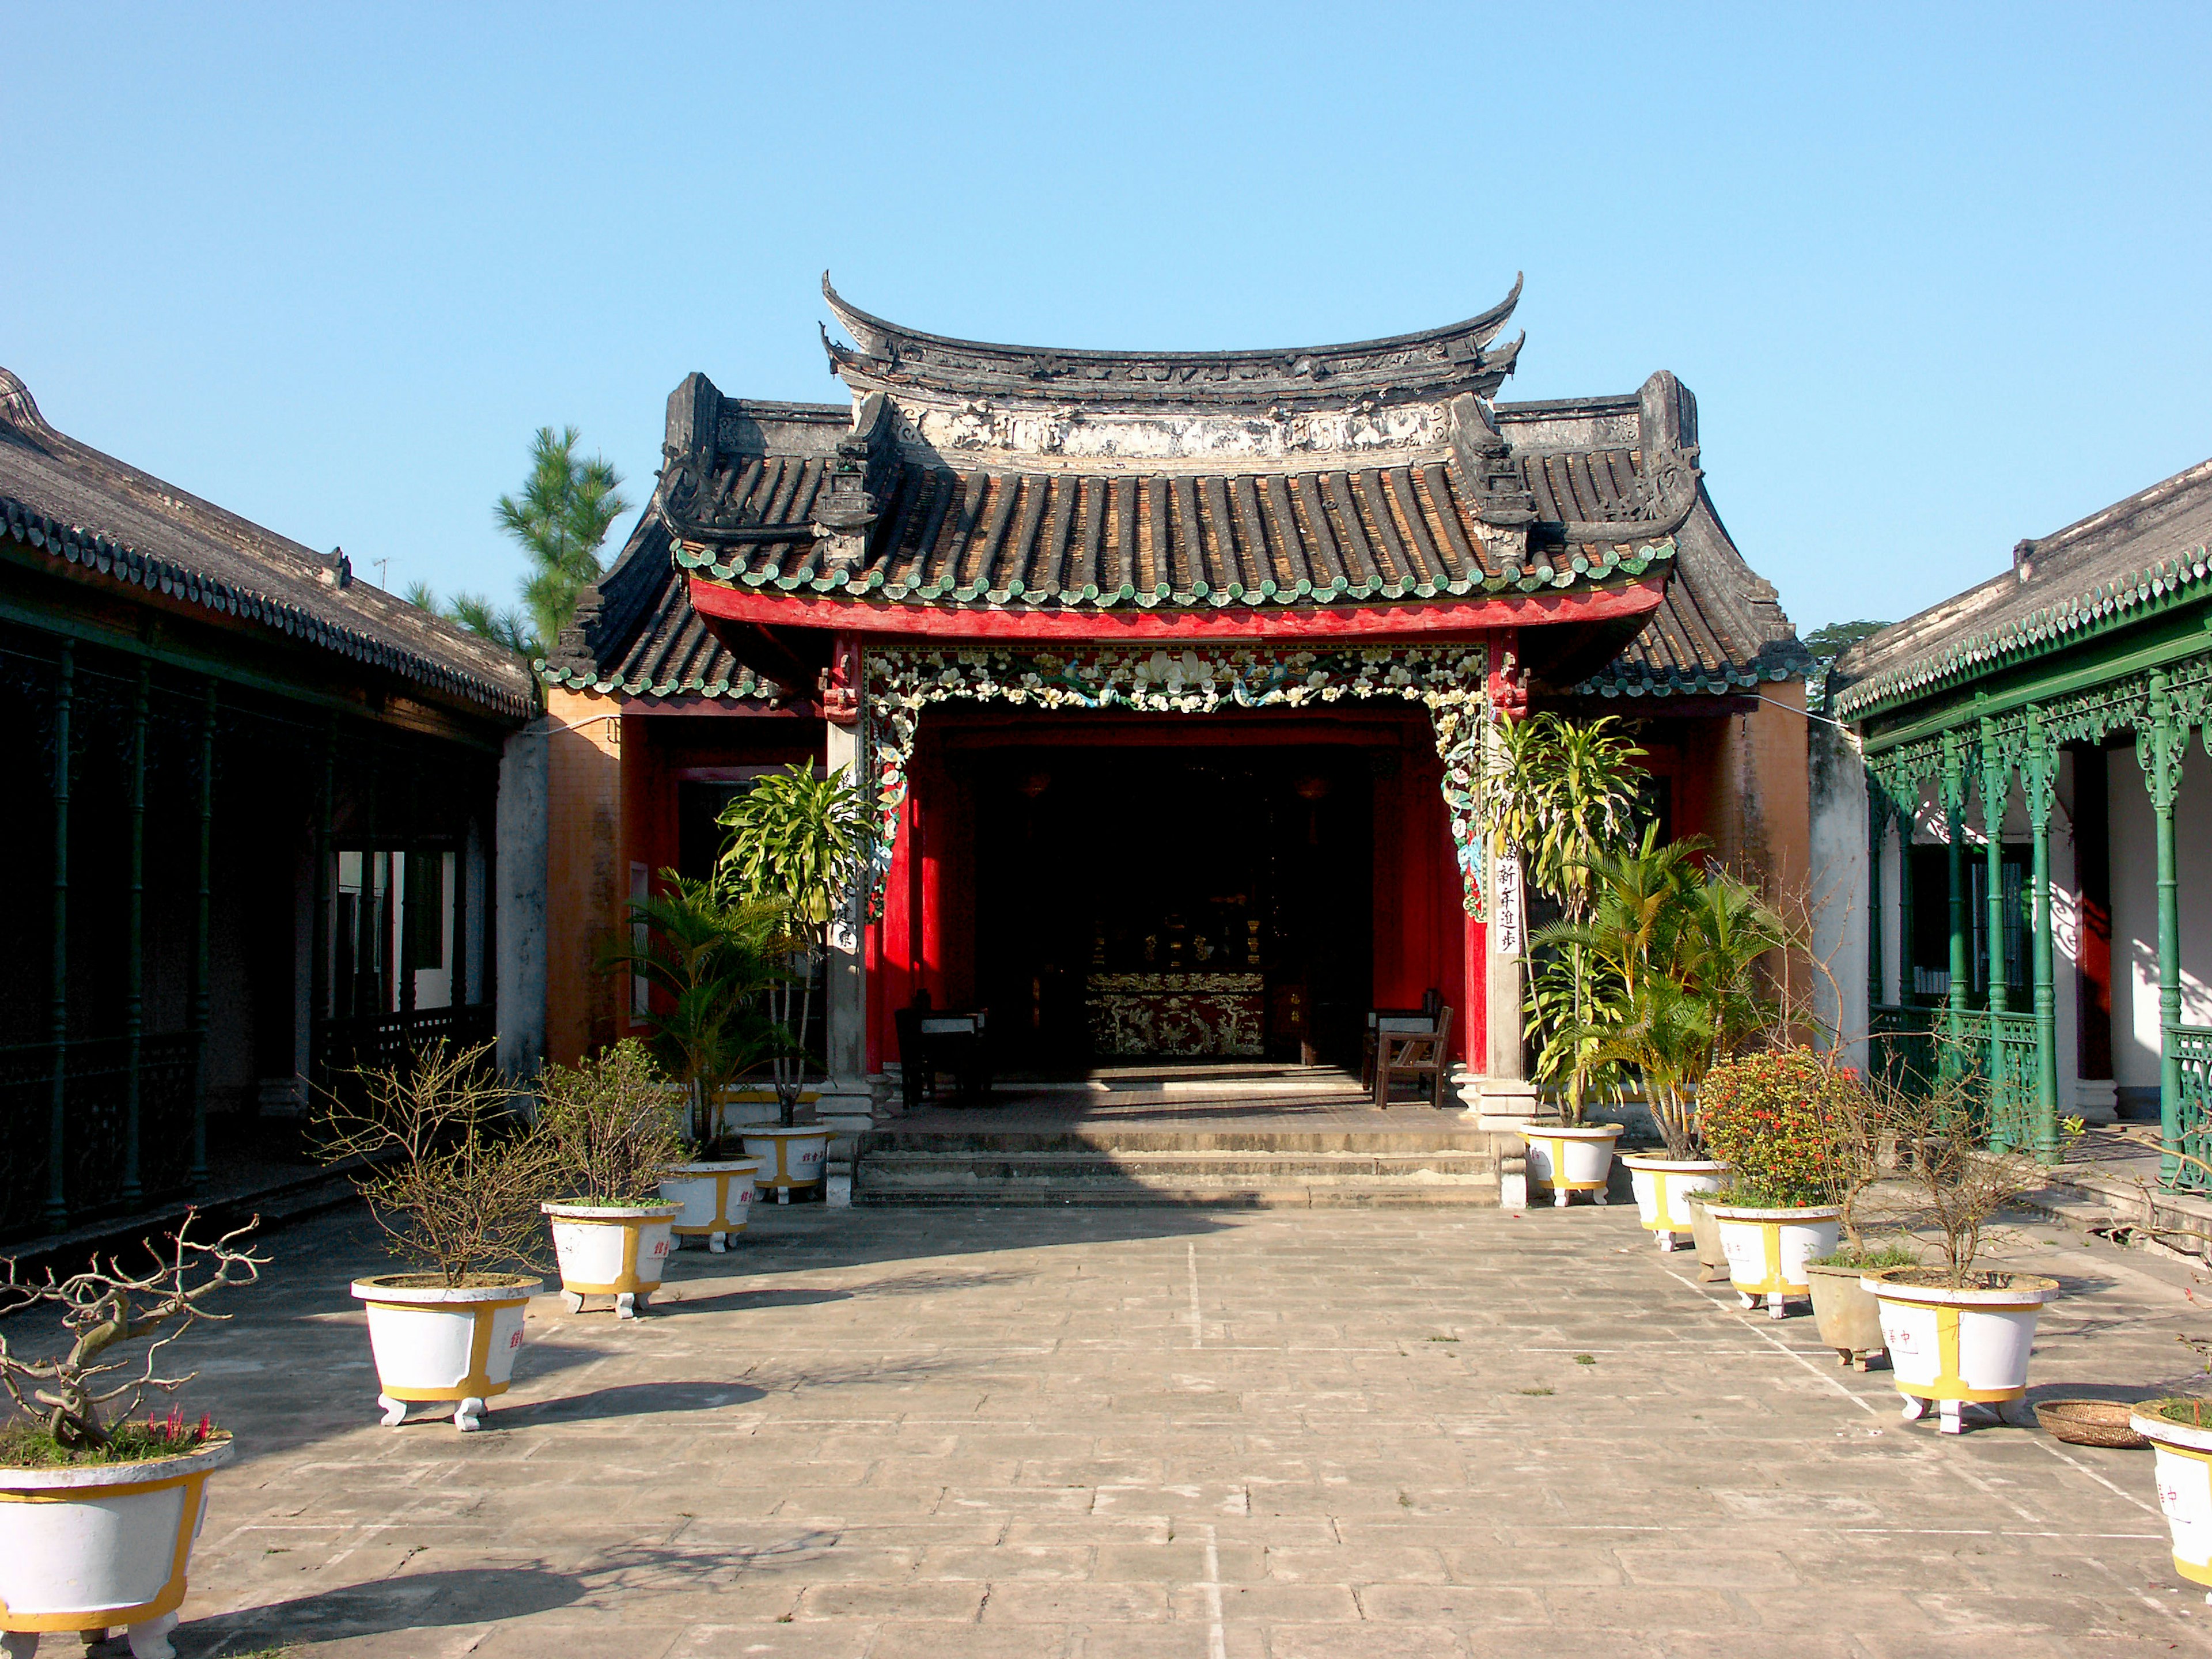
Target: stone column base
x: 1503, y: 1105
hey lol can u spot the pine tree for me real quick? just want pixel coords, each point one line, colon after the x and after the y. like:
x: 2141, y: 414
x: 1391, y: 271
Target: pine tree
x: 562, y: 517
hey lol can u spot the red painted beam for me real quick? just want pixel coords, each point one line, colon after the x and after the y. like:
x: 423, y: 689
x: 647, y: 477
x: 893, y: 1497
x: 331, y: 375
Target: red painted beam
x: 1306, y: 621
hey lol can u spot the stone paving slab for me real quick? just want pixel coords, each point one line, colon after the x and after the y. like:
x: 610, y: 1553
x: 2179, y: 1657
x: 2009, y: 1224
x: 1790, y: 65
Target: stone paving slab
x: 1083, y: 1434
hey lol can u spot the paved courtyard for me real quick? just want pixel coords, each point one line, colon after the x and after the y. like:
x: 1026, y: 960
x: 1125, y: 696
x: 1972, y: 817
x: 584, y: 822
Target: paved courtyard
x: 1079, y: 1434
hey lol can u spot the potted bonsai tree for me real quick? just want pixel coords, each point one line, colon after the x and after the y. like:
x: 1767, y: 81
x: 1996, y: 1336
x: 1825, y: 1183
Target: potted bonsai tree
x: 1860, y: 1120
x: 608, y: 1138
x: 709, y: 962
x: 1763, y: 1115
x: 801, y: 842
x: 99, y: 1507
x: 453, y: 1176
x: 1563, y: 794
x: 1958, y: 1335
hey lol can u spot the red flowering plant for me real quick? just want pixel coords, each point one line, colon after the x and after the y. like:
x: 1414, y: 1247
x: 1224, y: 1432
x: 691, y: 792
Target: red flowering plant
x: 1784, y: 1122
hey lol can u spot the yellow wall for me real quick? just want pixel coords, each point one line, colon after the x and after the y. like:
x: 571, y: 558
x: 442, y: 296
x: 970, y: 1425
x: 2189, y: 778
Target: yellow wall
x: 584, y: 872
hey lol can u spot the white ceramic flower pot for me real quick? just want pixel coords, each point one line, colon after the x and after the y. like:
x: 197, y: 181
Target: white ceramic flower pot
x: 791, y: 1159
x: 1952, y: 1348
x: 2184, y: 1489
x: 100, y: 1548
x: 716, y: 1199
x: 434, y: 1344
x: 1768, y: 1250
x: 1664, y: 1185
x: 611, y: 1250
x: 1571, y: 1160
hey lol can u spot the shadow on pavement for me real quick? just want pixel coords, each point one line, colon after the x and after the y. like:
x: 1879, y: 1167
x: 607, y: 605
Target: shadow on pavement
x: 420, y: 1601
x: 627, y: 1400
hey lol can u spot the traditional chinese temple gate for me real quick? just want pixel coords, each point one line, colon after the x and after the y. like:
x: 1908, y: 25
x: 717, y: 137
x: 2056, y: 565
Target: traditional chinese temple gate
x: 1169, y: 675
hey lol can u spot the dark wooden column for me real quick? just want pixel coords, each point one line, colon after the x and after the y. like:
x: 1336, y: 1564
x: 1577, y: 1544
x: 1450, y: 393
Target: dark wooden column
x: 200, y: 921
x: 319, y: 943
x: 57, y: 1007
x: 134, y: 994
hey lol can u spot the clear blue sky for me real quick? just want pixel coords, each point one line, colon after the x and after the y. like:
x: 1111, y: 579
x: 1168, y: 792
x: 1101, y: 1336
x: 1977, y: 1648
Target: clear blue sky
x: 1939, y: 278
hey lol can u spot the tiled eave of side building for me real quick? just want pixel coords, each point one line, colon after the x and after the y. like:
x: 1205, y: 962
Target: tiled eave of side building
x: 92, y: 515
x: 2125, y: 564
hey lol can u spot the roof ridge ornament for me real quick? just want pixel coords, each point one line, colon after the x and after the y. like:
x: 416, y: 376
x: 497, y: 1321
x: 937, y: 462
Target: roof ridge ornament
x: 1427, y: 365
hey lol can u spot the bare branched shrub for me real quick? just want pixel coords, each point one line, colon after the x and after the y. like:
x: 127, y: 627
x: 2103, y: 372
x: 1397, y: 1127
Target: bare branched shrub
x: 608, y: 1129
x: 1955, y: 1182
x: 454, y: 1176
x: 117, y: 1324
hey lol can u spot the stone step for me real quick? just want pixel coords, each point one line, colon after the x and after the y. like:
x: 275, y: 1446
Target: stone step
x: 982, y: 1139
x: 1336, y: 1195
x: 882, y: 1167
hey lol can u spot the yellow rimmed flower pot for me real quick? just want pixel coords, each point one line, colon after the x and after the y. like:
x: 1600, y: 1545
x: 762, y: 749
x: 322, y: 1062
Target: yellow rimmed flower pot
x: 2184, y: 1451
x: 86, y: 1547
x: 434, y: 1343
x: 792, y: 1160
x: 1572, y: 1159
x: 736, y: 1110
x: 1951, y: 1348
x: 607, y: 1249
x: 1767, y: 1250
x: 437, y: 1341
x: 715, y: 1196
x: 1662, y: 1187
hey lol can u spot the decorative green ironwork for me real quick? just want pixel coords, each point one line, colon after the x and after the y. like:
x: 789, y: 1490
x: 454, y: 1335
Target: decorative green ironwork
x: 2190, y: 1047
x: 1901, y: 1046
x: 1449, y: 680
x: 1999, y: 1046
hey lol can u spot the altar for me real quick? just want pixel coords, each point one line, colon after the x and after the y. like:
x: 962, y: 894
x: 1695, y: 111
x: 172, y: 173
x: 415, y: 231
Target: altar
x: 1191, y: 1013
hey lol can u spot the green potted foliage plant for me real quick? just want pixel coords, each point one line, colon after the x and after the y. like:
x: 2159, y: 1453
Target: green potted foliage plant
x: 709, y: 963
x: 608, y: 1138
x: 1762, y: 1114
x: 453, y: 1176
x: 1565, y: 792
x: 800, y: 842
x: 97, y: 1506
x: 1670, y: 953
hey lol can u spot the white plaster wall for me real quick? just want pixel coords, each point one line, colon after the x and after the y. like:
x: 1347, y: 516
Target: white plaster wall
x: 520, y: 872
x: 2065, y: 934
x: 1837, y: 779
x: 2135, y: 1042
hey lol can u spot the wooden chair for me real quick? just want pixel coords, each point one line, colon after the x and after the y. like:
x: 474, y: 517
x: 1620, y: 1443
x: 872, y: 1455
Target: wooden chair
x: 1417, y: 1021
x: 950, y: 1041
x: 1421, y: 1058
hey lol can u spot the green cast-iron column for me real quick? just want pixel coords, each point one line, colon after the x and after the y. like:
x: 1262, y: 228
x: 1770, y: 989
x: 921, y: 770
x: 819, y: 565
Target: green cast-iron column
x: 1954, y: 828
x: 1996, y: 787
x: 1908, y: 824
x: 134, y: 994
x: 319, y: 966
x: 200, y: 921
x: 1877, y: 801
x: 2165, y: 736
x: 57, y: 1005
x: 2039, y: 782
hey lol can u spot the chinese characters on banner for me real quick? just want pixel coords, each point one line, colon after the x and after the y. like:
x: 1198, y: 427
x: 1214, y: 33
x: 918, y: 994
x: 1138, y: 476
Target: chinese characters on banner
x: 1506, y: 909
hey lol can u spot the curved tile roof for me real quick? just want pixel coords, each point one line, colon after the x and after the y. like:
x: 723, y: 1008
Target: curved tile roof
x: 86, y: 509
x: 2138, y: 556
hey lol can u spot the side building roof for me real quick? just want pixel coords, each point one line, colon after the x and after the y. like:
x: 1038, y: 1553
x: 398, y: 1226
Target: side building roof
x: 2125, y: 563
x: 70, y: 504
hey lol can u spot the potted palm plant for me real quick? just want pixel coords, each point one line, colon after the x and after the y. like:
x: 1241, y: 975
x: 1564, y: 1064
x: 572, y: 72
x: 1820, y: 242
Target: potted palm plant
x: 1958, y: 1335
x: 1762, y: 1114
x: 1670, y: 953
x: 1563, y: 793
x: 710, y: 964
x: 97, y: 1506
x: 609, y: 1139
x: 802, y: 843
x: 452, y: 1176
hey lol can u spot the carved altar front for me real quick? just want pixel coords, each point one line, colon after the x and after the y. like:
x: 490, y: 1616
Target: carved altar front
x: 1184, y: 1013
